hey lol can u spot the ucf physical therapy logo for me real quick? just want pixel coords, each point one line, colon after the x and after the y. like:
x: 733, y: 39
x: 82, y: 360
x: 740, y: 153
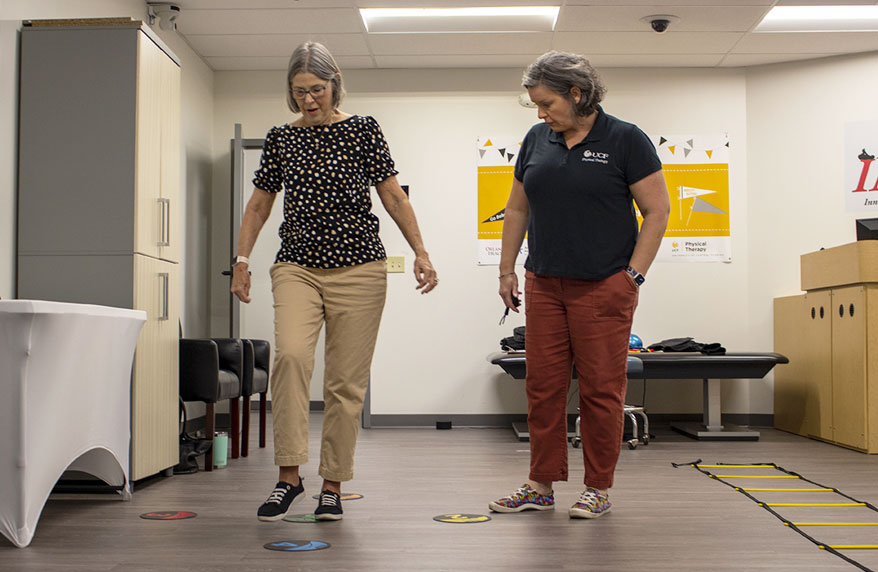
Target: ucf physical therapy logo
x: 595, y: 157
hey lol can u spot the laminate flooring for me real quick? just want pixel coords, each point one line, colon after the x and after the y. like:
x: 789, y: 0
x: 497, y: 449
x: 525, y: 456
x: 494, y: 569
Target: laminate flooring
x: 663, y: 518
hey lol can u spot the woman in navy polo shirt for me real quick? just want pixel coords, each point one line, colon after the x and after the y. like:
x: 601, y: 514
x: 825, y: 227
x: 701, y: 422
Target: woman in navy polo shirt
x: 575, y: 178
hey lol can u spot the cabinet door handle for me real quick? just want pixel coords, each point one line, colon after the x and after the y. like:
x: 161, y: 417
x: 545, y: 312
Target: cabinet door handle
x: 165, y: 278
x: 165, y: 214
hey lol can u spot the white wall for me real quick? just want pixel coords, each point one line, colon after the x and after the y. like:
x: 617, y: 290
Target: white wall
x: 197, y: 113
x: 431, y: 351
x: 795, y: 117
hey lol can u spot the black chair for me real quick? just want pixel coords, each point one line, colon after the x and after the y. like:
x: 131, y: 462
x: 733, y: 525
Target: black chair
x: 211, y: 370
x: 256, y: 373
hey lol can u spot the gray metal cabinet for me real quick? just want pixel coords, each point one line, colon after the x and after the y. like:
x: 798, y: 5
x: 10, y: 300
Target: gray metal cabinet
x: 98, y: 188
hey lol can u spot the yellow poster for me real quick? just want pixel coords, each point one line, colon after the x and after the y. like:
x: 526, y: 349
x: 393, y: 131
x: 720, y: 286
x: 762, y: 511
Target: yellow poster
x: 696, y: 170
x: 496, y: 163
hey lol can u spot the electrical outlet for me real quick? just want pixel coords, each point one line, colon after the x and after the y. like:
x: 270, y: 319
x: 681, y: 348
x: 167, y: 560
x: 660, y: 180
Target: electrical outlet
x: 395, y: 264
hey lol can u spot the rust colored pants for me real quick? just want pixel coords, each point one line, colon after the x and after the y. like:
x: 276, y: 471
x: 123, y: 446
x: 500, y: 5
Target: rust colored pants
x: 586, y: 323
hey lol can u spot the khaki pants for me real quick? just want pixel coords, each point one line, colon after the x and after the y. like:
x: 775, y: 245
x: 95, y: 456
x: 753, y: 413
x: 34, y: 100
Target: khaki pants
x: 349, y: 301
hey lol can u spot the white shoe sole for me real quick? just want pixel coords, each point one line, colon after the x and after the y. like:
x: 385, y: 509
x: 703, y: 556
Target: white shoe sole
x: 500, y: 508
x: 328, y: 516
x: 579, y: 513
x: 296, y: 501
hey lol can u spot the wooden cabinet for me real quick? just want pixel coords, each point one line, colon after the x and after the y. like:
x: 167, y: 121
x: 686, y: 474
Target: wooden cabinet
x: 829, y: 390
x: 802, y: 389
x: 98, y: 198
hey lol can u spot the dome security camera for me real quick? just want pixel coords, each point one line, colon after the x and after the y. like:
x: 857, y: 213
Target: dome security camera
x: 660, y: 26
x: 660, y: 22
x: 166, y: 12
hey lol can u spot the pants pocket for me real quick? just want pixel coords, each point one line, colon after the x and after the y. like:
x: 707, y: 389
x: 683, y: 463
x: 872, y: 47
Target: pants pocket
x: 615, y: 297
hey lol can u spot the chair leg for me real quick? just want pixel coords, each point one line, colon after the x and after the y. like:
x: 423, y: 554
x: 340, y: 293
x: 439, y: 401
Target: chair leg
x: 210, y: 429
x: 235, y: 413
x: 263, y: 401
x: 245, y: 426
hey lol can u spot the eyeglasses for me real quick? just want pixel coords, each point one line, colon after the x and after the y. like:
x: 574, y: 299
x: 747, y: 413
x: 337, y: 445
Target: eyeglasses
x: 316, y: 92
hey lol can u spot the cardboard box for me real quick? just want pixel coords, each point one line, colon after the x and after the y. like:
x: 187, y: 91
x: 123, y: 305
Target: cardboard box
x: 853, y: 263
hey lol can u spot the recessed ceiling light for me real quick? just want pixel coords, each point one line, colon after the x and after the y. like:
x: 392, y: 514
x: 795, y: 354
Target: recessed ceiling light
x: 862, y: 18
x: 445, y: 20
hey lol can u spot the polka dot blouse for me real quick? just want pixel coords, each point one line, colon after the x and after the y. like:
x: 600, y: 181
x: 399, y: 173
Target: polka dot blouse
x: 326, y: 171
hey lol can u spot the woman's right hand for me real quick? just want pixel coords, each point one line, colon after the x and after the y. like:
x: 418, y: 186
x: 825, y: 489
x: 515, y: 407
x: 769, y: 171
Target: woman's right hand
x: 241, y: 281
x: 509, y: 291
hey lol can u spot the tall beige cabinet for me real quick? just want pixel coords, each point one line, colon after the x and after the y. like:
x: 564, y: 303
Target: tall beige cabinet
x: 829, y: 390
x: 99, y: 197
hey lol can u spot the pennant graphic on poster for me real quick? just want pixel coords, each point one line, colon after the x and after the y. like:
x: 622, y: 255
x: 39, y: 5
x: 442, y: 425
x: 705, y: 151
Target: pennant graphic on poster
x: 698, y: 185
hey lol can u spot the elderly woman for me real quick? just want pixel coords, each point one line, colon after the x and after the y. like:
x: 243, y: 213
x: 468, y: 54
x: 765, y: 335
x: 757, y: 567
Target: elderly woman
x: 330, y: 270
x: 574, y: 181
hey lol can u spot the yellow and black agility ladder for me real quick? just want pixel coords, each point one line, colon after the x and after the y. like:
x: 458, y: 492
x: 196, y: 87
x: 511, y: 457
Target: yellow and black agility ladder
x: 796, y: 484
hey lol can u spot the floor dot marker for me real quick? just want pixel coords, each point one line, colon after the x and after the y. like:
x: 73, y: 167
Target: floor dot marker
x: 168, y: 515
x: 296, y: 545
x: 461, y: 518
x: 346, y: 496
x: 308, y: 518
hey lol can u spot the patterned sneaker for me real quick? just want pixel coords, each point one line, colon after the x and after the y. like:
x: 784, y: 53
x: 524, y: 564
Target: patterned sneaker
x: 279, y: 502
x: 329, y: 506
x: 525, y: 498
x: 591, y: 504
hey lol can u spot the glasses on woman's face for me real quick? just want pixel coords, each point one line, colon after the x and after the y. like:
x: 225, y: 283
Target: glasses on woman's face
x: 316, y: 92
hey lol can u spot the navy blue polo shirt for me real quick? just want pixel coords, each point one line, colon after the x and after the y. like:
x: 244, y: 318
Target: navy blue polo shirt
x: 582, y: 222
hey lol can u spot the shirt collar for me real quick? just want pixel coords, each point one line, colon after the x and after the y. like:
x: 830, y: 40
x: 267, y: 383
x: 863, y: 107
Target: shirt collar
x: 598, y: 130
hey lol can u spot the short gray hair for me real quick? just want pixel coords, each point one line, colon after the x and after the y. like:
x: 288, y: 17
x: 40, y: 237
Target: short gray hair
x: 560, y: 71
x: 313, y: 57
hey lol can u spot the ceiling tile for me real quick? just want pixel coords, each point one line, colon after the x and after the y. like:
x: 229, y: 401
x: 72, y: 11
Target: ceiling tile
x: 654, y: 60
x: 808, y: 43
x: 280, y: 63
x: 629, y: 18
x: 455, y: 61
x: 663, y: 5
x: 261, y: 4
x: 331, y: 20
x: 247, y: 45
x: 587, y: 43
x: 747, y: 60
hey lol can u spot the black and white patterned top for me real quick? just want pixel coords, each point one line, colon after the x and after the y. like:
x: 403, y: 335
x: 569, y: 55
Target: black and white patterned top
x: 327, y: 171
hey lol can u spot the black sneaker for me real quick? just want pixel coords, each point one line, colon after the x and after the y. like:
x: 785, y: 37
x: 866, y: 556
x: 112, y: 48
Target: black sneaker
x: 280, y: 500
x: 329, y: 506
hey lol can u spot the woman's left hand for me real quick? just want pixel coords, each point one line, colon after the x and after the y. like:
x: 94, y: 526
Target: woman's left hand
x: 425, y: 274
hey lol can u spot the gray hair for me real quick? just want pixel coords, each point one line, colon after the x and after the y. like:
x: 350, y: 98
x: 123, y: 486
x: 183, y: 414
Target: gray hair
x: 560, y: 71
x: 312, y: 57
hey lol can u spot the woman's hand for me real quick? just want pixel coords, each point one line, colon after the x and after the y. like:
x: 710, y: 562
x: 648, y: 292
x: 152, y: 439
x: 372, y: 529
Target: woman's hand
x: 509, y: 291
x: 425, y: 274
x: 241, y: 281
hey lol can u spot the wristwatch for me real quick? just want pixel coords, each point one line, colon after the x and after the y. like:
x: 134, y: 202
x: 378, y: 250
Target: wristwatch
x: 240, y: 260
x: 638, y: 278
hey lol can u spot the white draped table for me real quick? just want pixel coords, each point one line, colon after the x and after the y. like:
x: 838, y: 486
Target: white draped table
x: 65, y: 402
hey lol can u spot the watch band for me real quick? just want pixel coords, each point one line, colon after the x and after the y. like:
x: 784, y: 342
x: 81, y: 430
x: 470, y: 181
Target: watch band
x: 638, y: 278
x: 240, y: 260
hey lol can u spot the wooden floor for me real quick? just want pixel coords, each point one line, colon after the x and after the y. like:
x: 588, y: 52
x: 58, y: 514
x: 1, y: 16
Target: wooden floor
x: 664, y: 518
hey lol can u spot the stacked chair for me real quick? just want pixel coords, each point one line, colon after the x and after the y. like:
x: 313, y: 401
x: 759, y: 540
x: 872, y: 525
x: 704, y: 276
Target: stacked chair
x: 211, y: 371
x: 218, y: 369
x: 256, y: 373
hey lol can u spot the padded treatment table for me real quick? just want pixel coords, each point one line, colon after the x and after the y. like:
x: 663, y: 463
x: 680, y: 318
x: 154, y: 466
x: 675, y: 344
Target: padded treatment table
x: 514, y: 364
x: 711, y: 369
x: 65, y: 402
